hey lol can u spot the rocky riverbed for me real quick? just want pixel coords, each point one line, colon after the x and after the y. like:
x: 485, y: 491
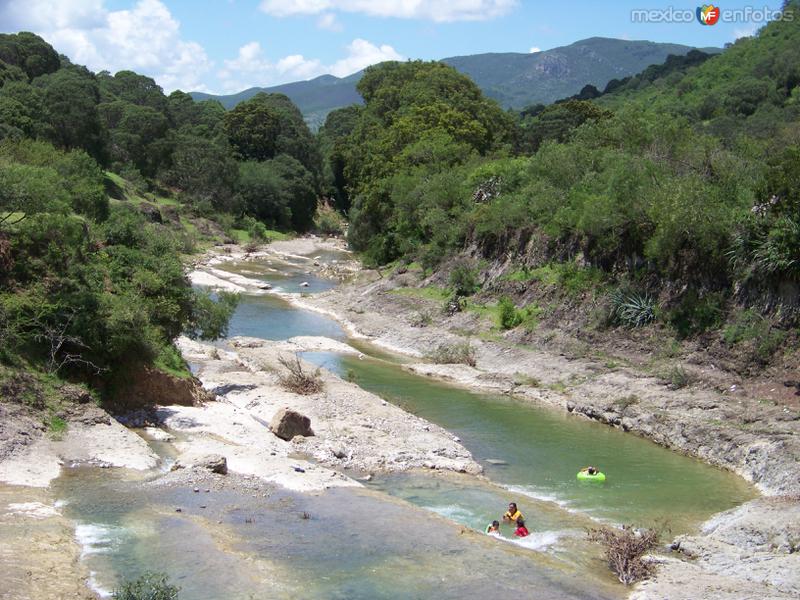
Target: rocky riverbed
x: 748, y: 552
x: 748, y: 557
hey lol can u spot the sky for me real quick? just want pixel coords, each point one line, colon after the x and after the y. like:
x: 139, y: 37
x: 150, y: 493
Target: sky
x: 225, y: 46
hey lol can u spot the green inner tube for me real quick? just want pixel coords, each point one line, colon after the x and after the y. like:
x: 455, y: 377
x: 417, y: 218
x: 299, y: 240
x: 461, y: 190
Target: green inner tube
x: 584, y: 476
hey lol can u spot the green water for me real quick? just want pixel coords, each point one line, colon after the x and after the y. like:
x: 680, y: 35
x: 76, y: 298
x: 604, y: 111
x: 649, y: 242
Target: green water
x: 271, y: 318
x: 544, y: 449
x: 362, y: 544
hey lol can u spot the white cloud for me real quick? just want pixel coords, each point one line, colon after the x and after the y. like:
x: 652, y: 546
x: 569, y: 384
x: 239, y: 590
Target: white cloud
x: 440, y: 11
x: 534, y: 49
x: 747, y: 31
x: 361, y: 54
x: 252, y: 68
x: 328, y: 21
x: 146, y: 38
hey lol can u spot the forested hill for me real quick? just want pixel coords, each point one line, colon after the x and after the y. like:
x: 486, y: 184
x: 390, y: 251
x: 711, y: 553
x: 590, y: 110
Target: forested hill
x: 105, y: 183
x: 671, y: 203
x: 513, y: 79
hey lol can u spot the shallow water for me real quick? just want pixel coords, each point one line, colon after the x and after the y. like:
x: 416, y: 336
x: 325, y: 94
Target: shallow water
x: 271, y: 318
x: 359, y: 544
x: 354, y: 545
x: 542, y: 450
x: 283, y: 276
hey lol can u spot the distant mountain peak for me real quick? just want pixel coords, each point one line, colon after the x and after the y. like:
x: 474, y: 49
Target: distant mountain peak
x: 514, y: 79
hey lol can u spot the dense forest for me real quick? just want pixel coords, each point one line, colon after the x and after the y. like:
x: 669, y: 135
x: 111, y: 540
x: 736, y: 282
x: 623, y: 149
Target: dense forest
x: 673, y: 194
x: 91, y: 277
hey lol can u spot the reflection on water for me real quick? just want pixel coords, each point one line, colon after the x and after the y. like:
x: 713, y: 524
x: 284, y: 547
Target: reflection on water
x: 272, y: 318
x: 284, y: 277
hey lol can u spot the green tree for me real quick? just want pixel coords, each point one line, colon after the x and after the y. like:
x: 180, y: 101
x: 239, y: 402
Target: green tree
x: 29, y: 52
x: 418, y: 118
x: 135, y: 89
x: 279, y: 192
x: 137, y: 135
x: 267, y: 125
x: 70, y: 108
x: 204, y: 170
x: 332, y: 139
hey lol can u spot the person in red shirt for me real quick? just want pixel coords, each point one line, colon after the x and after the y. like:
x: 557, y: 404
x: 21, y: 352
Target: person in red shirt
x: 521, y: 530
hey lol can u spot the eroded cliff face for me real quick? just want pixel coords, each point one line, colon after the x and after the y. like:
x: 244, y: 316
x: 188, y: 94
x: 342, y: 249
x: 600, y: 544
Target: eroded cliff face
x: 144, y: 387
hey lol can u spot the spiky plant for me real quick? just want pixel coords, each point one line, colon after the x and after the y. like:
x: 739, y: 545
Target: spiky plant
x: 632, y: 309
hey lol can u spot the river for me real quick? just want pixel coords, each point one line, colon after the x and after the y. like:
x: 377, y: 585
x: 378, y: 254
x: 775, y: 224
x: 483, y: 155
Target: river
x: 374, y: 543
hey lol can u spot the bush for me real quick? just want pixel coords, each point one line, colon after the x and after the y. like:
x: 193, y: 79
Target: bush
x: 631, y: 308
x: 624, y: 549
x: 298, y: 380
x: 695, y: 314
x: 56, y: 427
x: 508, y: 316
x: 328, y: 222
x: 454, y: 304
x: 151, y: 586
x: 451, y: 354
x: 421, y: 319
x: 464, y: 280
x: 677, y: 377
x: 750, y: 327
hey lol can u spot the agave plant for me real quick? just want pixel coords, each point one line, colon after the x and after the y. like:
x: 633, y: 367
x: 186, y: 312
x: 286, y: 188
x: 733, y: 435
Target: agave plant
x: 632, y: 309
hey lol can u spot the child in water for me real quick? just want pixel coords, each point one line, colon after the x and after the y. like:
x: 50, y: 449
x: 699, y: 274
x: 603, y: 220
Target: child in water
x: 493, y: 528
x: 521, y: 530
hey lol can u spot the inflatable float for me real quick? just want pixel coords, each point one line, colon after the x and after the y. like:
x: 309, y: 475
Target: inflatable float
x: 584, y: 476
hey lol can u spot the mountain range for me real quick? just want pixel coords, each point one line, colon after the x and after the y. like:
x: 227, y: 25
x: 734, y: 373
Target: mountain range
x: 513, y: 79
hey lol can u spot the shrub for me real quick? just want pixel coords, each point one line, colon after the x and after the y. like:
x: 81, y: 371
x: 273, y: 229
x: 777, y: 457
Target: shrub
x: 328, y: 221
x: 677, y: 377
x: 695, y: 314
x: 459, y: 353
x: 508, y: 316
x: 626, y: 402
x: 454, y: 304
x: 56, y: 427
x: 751, y: 327
x: 298, y: 380
x: 624, y: 549
x: 421, y: 319
x: 631, y: 308
x: 572, y: 278
x: 464, y: 280
x: 151, y: 586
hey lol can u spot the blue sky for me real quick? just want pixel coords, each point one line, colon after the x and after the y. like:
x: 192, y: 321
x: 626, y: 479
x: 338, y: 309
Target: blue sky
x: 228, y: 45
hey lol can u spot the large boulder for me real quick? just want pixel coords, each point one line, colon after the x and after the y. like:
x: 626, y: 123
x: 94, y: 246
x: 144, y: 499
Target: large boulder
x: 288, y: 423
x: 216, y: 463
x: 151, y: 212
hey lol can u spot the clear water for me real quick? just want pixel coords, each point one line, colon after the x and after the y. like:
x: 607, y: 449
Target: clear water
x: 271, y: 318
x: 227, y: 544
x: 543, y: 449
x: 359, y: 544
x: 283, y: 276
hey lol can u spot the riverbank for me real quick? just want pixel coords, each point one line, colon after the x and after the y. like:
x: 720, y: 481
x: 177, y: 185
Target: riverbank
x: 756, y: 439
x: 353, y: 430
